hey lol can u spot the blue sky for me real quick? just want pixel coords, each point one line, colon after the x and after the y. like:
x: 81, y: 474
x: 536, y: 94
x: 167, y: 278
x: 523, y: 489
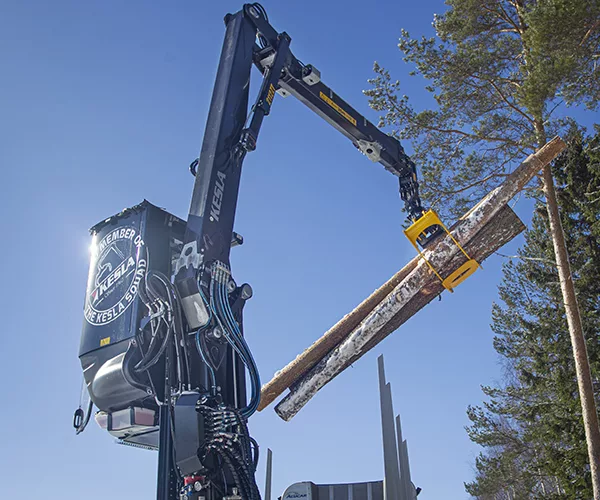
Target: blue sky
x: 104, y: 104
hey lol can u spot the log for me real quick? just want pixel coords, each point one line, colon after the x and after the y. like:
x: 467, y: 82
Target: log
x: 500, y: 230
x: 296, y: 369
x: 409, y: 292
x: 292, y: 372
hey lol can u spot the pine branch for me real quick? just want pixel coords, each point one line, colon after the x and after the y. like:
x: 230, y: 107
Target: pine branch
x: 521, y: 257
x: 503, y: 16
x: 508, y: 103
x: 390, y: 102
x: 473, y: 184
x: 589, y: 32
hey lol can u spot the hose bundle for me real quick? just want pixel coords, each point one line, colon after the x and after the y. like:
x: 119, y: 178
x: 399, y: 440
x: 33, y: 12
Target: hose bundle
x: 166, y: 325
x: 228, y: 438
x: 220, y: 311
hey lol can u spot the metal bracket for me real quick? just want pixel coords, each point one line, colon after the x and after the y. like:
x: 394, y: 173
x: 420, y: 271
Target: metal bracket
x: 189, y: 257
x: 371, y: 150
x: 420, y: 226
x: 311, y: 75
x: 236, y: 239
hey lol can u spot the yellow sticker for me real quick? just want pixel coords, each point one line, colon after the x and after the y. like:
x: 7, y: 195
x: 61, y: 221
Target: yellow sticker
x: 104, y: 341
x: 341, y: 111
x: 270, y: 94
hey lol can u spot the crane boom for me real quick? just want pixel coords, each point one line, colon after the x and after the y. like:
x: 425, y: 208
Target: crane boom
x: 163, y: 352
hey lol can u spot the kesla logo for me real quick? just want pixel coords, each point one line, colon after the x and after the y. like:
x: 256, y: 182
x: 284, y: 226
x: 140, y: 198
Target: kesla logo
x: 107, y: 283
x: 215, y: 209
x: 116, y: 270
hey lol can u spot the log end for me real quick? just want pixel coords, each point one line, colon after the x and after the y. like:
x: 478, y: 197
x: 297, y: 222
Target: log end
x: 550, y: 150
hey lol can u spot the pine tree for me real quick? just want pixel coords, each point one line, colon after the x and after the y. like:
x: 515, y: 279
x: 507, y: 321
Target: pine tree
x: 498, y: 72
x: 531, y: 426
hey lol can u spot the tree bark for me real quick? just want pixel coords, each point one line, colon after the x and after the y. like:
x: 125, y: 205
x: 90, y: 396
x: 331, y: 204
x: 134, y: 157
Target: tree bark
x: 580, y: 355
x: 582, y: 364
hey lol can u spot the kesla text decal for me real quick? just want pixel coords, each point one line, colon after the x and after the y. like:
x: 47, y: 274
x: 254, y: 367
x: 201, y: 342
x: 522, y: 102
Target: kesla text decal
x: 215, y: 209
